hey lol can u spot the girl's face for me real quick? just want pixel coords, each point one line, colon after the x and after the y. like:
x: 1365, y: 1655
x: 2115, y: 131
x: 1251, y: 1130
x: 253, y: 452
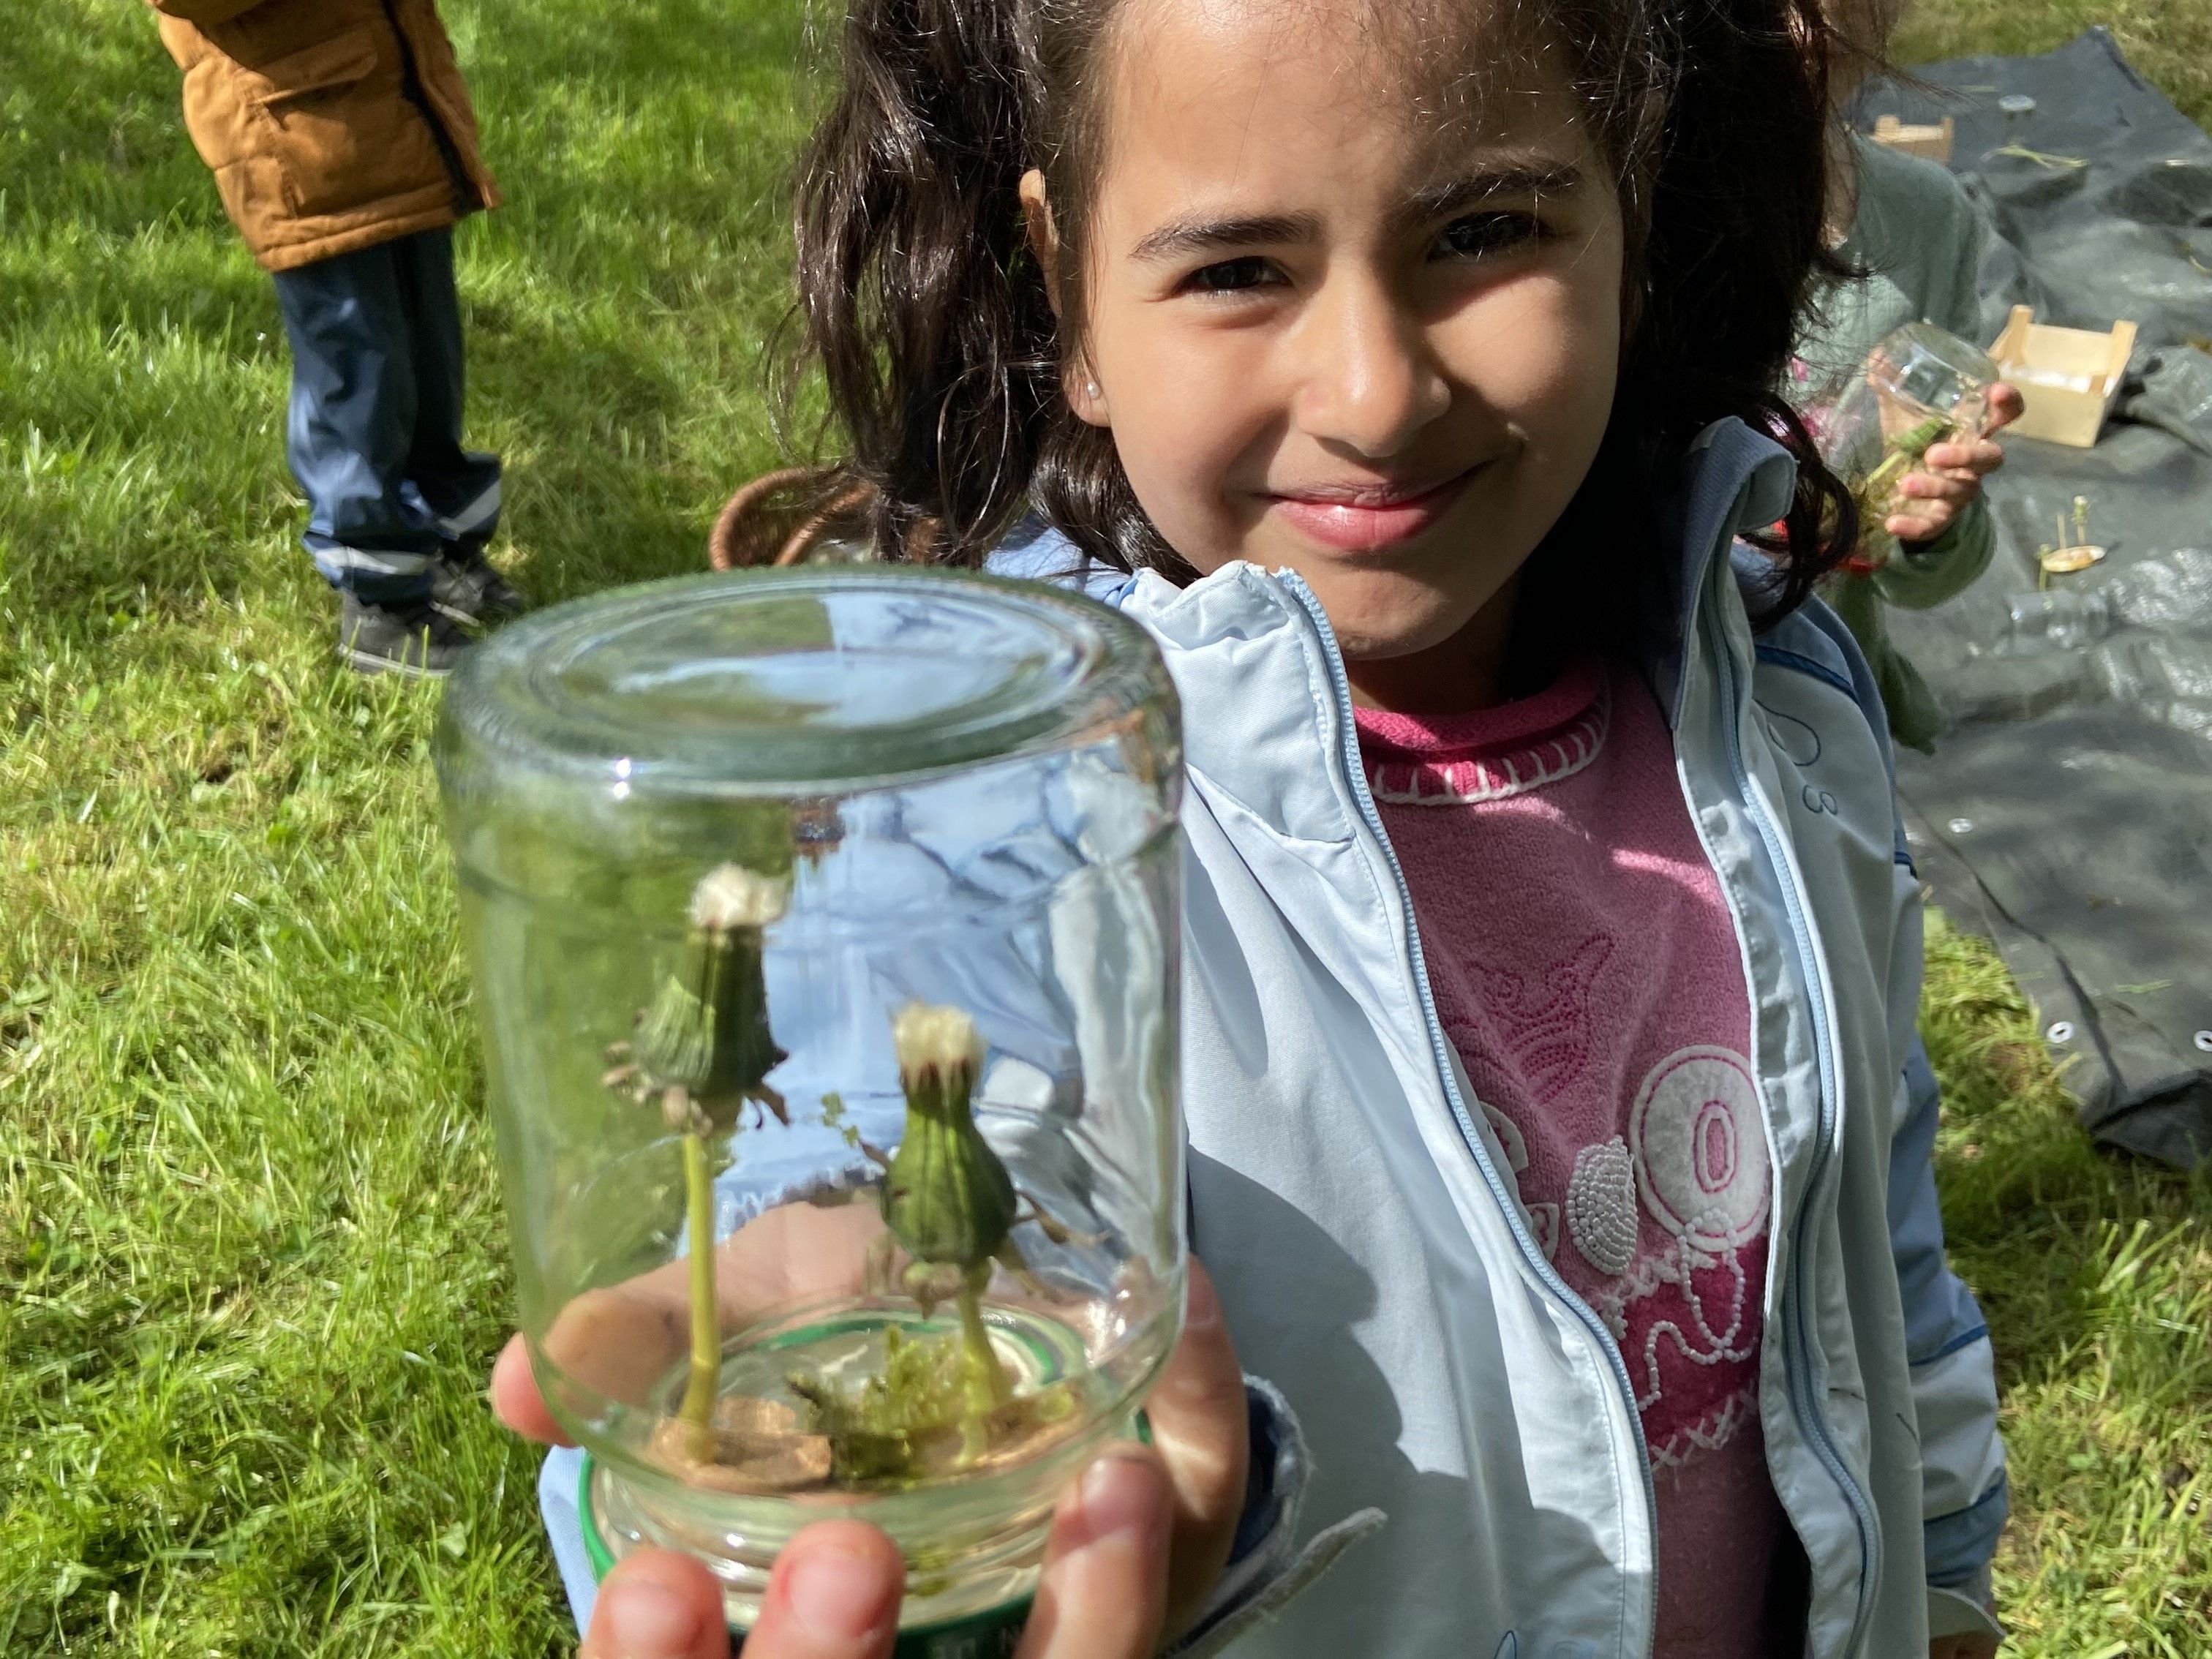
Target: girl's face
x: 1332, y: 334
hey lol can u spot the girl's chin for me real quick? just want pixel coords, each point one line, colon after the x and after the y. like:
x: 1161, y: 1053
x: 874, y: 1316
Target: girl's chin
x: 1381, y: 634
x: 1372, y: 626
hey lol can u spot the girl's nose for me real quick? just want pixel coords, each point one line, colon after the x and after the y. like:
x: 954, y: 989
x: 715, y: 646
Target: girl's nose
x: 1369, y: 383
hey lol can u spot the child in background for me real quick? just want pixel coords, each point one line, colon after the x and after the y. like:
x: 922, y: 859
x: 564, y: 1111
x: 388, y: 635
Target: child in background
x: 344, y: 149
x: 1905, y: 225
x: 1552, y: 959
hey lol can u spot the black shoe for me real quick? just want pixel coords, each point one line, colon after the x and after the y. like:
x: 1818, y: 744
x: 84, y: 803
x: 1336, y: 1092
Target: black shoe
x: 466, y: 587
x: 414, y: 637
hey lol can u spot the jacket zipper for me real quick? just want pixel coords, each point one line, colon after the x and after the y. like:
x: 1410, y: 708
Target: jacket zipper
x: 1440, y: 1052
x: 1796, y: 1331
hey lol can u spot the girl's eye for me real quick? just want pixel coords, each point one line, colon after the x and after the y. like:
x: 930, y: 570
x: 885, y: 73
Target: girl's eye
x: 1481, y: 235
x: 1228, y: 276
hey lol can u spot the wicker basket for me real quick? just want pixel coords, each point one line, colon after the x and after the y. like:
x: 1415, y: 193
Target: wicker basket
x: 784, y: 517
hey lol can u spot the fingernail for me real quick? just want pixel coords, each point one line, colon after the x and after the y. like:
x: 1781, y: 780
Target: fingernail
x: 838, y: 1595
x: 1121, y: 1496
x: 649, y: 1620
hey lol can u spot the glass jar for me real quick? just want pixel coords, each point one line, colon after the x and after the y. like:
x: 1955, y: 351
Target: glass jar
x: 823, y: 925
x: 1921, y: 387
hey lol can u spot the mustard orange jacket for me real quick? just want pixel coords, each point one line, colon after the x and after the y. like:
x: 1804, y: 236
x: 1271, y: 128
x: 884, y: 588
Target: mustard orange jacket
x: 331, y: 124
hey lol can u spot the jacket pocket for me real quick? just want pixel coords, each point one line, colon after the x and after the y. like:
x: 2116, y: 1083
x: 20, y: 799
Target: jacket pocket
x: 346, y: 137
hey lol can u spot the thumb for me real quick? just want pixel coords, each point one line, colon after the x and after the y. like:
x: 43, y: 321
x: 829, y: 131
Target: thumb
x: 658, y: 1604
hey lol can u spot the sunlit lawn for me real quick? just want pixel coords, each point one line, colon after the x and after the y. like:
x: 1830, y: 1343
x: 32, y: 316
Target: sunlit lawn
x: 251, y: 1262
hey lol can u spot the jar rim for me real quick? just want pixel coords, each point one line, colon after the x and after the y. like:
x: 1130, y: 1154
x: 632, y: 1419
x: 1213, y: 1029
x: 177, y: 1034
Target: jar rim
x: 742, y: 682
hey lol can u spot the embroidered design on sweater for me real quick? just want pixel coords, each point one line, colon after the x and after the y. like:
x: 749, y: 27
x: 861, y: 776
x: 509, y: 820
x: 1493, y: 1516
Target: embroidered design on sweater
x: 1697, y: 1147
x: 1544, y: 1223
x: 1509, y: 1135
x: 1709, y: 1433
x: 1461, y: 782
x: 1601, y: 1206
x: 1729, y: 1344
x: 1544, y: 1024
x: 1700, y: 1149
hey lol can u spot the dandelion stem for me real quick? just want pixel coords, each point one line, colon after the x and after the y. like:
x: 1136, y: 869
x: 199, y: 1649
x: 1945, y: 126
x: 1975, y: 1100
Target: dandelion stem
x: 975, y: 1339
x: 698, y: 1407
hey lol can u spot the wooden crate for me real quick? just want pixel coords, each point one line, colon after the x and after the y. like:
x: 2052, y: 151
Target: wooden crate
x: 2067, y: 377
x: 1931, y: 140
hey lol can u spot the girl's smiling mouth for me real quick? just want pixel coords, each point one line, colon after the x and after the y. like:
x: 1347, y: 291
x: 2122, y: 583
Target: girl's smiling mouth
x: 1368, y: 517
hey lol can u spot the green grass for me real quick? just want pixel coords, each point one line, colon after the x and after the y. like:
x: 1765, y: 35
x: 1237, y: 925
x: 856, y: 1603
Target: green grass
x: 2096, y: 1274
x: 249, y: 1229
x: 251, y: 1257
x: 2169, y: 41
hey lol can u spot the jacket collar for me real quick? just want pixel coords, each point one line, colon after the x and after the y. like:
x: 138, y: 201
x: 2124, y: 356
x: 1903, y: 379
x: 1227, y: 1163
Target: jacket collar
x: 1733, y: 481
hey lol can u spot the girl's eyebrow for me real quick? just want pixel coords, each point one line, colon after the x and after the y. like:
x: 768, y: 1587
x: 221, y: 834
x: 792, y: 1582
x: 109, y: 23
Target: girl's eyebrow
x: 1179, y: 237
x: 1472, y: 190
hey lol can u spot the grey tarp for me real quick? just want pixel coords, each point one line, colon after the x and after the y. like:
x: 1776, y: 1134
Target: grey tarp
x: 2068, y: 813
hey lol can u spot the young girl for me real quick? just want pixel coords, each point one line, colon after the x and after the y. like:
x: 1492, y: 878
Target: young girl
x: 1552, y: 953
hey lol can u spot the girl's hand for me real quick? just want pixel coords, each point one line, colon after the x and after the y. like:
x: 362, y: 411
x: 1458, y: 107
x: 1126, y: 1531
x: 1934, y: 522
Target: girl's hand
x: 835, y: 1591
x: 1951, y: 474
x: 1201, y: 1442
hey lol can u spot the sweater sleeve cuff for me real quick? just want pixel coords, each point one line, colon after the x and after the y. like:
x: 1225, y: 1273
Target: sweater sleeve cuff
x: 1958, y: 1547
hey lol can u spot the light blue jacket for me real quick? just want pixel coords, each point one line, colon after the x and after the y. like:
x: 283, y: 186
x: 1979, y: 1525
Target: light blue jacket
x: 1361, y: 1221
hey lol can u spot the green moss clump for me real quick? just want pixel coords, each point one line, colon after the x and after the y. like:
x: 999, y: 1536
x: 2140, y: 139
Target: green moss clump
x: 923, y: 1414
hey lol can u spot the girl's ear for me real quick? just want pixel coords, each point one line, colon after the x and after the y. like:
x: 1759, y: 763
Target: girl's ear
x: 1077, y: 385
x: 1044, y: 239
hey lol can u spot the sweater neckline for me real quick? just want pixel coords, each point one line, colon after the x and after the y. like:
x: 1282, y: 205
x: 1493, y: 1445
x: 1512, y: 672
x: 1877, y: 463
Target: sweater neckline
x: 1488, y: 754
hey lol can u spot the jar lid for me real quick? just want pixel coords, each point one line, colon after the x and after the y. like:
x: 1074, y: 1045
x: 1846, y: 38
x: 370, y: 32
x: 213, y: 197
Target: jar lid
x: 802, y: 681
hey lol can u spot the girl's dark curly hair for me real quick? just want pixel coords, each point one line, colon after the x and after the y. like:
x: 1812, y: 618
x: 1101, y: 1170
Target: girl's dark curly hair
x: 927, y: 312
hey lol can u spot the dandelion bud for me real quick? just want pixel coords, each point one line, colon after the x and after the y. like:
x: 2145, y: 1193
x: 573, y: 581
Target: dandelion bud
x: 940, y: 1054
x: 707, y: 1033
x: 731, y: 896
x: 947, y: 1197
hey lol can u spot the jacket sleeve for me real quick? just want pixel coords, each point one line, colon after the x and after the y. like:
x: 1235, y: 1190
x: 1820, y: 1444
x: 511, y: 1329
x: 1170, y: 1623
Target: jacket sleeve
x: 1964, y: 1502
x: 1925, y: 575
x: 205, y: 13
x: 1964, y: 1498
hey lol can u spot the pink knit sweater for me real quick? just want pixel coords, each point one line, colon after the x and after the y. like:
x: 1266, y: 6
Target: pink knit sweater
x: 1586, y: 969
